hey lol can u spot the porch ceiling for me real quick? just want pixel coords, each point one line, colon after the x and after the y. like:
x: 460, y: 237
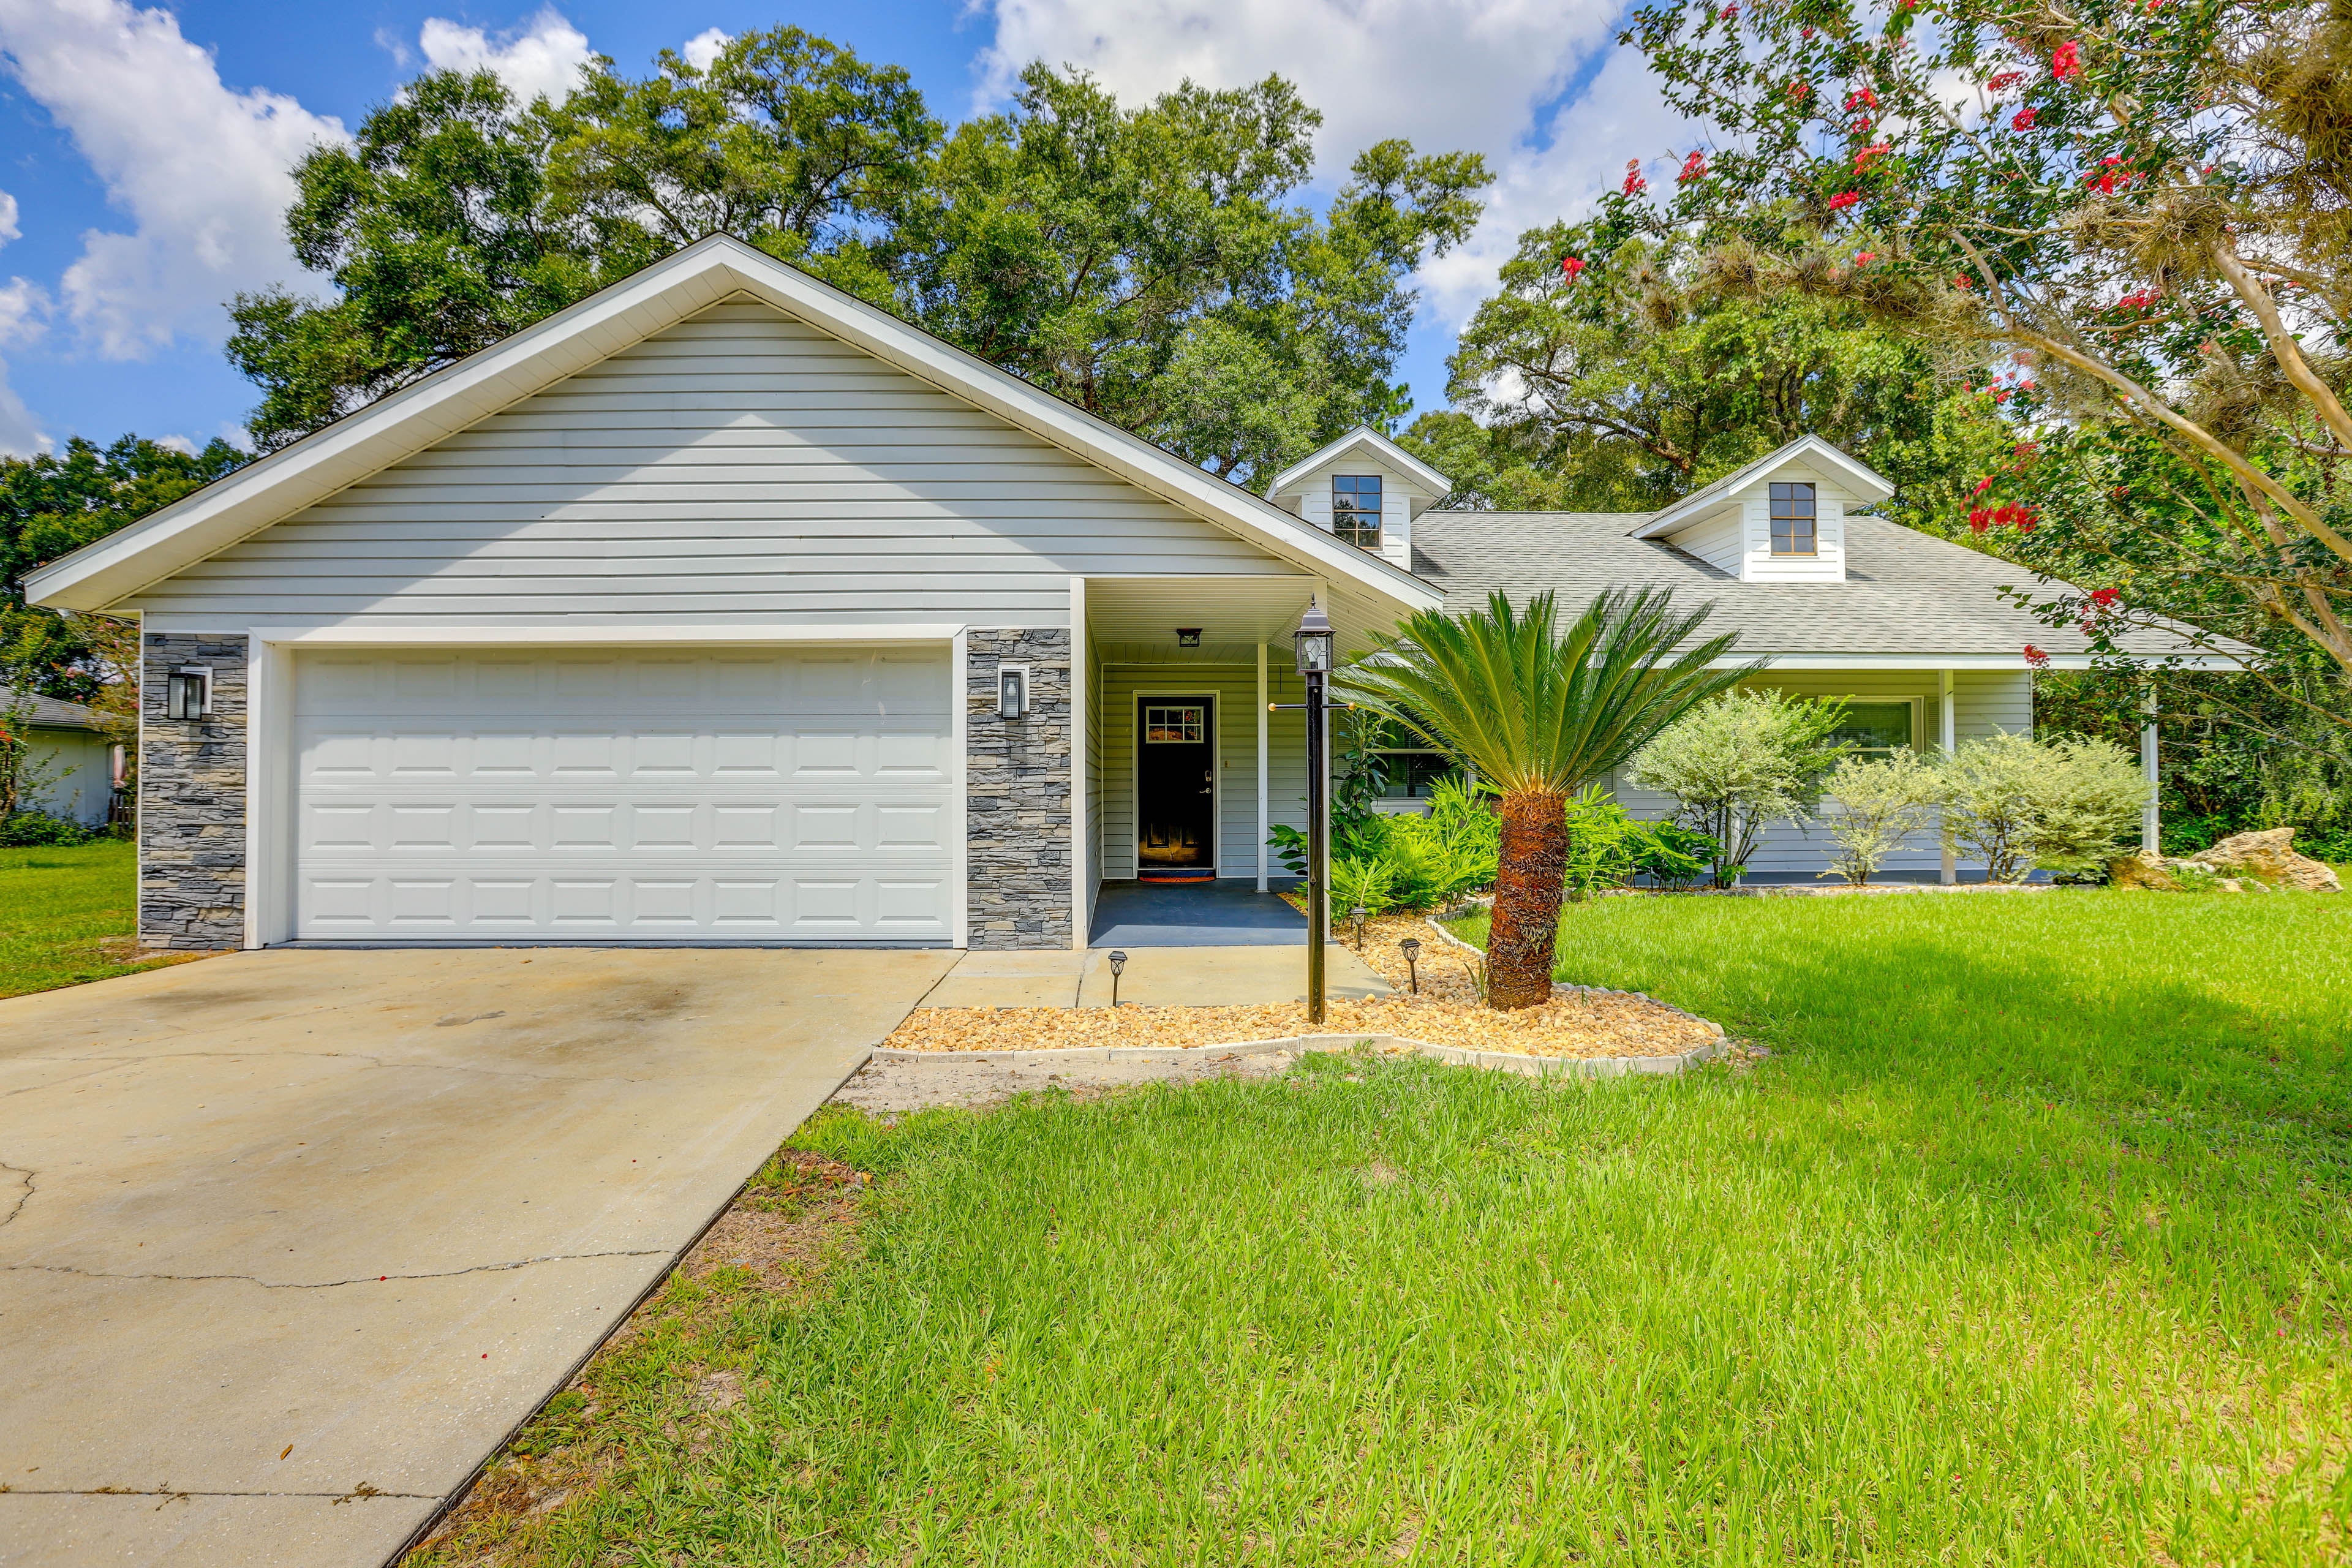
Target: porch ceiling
x: 1232, y: 612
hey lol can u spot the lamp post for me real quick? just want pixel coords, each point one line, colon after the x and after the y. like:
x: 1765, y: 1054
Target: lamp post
x: 1313, y: 643
x: 1411, y: 946
x: 1118, y: 968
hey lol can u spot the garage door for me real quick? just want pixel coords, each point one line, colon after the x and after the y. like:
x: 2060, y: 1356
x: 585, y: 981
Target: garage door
x: 612, y: 796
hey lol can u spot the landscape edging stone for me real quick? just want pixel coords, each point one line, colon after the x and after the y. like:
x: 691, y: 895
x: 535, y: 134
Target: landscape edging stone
x: 1455, y: 1056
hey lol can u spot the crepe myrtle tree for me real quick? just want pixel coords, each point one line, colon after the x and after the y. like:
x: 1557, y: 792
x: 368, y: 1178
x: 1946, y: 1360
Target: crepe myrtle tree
x: 2128, y: 216
x: 1539, y: 713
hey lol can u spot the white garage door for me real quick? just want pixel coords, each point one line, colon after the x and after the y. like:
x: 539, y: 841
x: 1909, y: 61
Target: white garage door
x: 750, y: 794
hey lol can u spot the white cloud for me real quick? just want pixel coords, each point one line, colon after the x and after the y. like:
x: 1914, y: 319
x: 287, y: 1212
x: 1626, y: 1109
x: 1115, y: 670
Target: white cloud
x: 25, y: 308
x: 1452, y: 73
x: 704, y: 47
x: 202, y: 171
x: 9, y: 228
x: 177, y: 444
x: 544, y: 57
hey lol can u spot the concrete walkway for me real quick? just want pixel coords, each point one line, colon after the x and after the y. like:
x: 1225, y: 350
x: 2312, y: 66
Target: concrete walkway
x: 1245, y: 976
x: 291, y: 1241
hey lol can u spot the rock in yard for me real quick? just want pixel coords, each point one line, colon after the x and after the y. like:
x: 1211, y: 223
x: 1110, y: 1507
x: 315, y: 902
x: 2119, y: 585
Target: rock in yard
x: 2270, y: 855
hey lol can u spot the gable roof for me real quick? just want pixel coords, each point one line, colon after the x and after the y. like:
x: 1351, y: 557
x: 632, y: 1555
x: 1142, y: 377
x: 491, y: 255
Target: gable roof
x: 412, y: 420
x: 1364, y: 438
x: 1868, y: 483
x: 1909, y: 600
x: 50, y: 712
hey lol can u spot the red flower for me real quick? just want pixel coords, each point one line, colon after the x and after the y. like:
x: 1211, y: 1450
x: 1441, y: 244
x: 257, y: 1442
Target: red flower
x: 2025, y: 120
x: 2036, y: 657
x: 1843, y: 200
x: 2005, y: 81
x: 1572, y: 266
x: 1864, y: 257
x: 1982, y: 485
x: 1694, y: 168
x: 1863, y: 159
x: 2141, y: 301
x: 2105, y: 598
x: 2000, y: 395
x: 1801, y: 90
x: 1963, y: 282
x: 1865, y: 97
x: 2066, y: 63
x: 1730, y: 12
x: 1808, y: 33
x: 1634, y: 183
x: 1980, y: 519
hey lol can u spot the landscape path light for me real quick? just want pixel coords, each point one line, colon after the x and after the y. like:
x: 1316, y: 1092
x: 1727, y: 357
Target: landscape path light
x: 1412, y: 949
x: 1118, y: 968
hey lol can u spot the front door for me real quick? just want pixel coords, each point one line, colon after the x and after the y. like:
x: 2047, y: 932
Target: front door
x: 1175, y: 786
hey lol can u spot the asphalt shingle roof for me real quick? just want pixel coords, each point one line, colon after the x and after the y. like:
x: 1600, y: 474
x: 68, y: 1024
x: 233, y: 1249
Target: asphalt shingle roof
x: 51, y: 713
x: 1904, y: 592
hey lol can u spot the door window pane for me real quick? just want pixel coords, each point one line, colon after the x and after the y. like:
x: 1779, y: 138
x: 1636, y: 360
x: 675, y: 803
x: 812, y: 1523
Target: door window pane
x: 1176, y: 724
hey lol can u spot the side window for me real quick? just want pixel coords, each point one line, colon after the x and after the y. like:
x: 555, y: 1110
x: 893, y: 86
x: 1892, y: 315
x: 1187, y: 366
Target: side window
x: 1793, y: 520
x: 1356, y: 509
x: 1875, y: 729
x: 1409, y: 764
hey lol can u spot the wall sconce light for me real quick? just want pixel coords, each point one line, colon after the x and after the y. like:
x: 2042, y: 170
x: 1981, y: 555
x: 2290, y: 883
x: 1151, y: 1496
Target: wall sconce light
x: 188, y: 693
x: 1411, y: 947
x: 1011, y: 691
x: 1118, y: 968
x: 1188, y: 637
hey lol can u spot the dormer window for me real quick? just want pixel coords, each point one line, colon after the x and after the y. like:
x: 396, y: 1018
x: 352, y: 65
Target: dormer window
x: 1356, y: 509
x: 1792, y: 519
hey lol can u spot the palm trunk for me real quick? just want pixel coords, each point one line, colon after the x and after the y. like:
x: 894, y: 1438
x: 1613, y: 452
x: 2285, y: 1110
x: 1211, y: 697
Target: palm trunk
x: 1526, y: 927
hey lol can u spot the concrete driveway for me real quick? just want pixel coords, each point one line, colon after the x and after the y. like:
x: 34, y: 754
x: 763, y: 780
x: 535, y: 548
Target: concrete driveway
x: 291, y: 1241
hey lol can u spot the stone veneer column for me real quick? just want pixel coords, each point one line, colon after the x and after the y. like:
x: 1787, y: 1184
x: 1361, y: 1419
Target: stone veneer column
x: 1017, y: 794
x: 191, y: 798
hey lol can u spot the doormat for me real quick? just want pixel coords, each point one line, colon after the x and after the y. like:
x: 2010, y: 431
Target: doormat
x: 1176, y: 874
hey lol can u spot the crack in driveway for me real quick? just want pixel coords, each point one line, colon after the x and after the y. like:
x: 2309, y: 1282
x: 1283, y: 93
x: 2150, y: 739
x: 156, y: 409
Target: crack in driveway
x: 22, y: 1198
x: 336, y: 1284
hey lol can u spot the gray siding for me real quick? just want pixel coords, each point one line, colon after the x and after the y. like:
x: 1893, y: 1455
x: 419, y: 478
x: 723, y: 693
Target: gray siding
x: 740, y: 463
x: 1235, y: 688
x: 1982, y: 702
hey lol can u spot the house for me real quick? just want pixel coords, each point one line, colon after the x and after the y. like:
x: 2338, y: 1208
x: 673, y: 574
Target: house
x: 76, y: 764
x: 724, y: 607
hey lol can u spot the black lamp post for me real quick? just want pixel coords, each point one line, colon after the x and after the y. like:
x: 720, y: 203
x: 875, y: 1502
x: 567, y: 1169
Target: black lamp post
x: 1411, y: 946
x: 1313, y: 643
x: 1118, y: 968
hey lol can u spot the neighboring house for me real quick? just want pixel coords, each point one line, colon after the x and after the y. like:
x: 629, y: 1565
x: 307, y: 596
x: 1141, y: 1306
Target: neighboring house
x: 72, y: 751
x: 723, y: 606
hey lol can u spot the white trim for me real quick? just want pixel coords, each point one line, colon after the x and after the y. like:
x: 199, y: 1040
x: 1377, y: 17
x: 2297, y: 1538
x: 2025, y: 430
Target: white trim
x: 109, y: 570
x: 1210, y: 696
x: 571, y: 634
x: 1363, y: 437
x: 2151, y: 771
x: 959, y: 803
x: 1081, y: 916
x: 1947, y: 737
x: 1950, y: 661
x: 1870, y: 485
x: 1265, y: 773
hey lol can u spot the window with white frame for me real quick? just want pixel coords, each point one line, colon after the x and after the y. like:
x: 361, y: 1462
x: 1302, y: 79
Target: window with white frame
x: 1793, y: 530
x: 1409, y: 764
x: 1876, y: 729
x: 1356, y: 509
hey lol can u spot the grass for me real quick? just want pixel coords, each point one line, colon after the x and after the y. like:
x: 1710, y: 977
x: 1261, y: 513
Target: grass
x: 58, y: 908
x: 2031, y: 1242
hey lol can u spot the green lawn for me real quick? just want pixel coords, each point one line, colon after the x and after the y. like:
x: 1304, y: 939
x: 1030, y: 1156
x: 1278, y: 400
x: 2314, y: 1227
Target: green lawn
x: 2031, y: 1242
x: 55, y: 907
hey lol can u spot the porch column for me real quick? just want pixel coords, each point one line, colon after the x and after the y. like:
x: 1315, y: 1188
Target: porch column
x: 1946, y: 734
x: 1264, y: 824
x: 2150, y: 838
x: 1082, y: 887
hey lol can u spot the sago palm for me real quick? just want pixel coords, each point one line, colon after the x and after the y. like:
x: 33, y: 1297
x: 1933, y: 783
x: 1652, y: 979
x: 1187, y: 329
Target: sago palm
x: 1539, y: 713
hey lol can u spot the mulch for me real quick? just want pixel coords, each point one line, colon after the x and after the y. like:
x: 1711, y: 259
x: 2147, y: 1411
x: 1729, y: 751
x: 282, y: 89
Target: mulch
x: 1579, y: 1021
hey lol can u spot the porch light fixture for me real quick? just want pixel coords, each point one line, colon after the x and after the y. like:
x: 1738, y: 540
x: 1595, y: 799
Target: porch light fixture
x: 1011, y: 691
x: 1410, y: 947
x: 188, y: 692
x: 1312, y: 642
x: 1188, y: 637
x: 1118, y: 968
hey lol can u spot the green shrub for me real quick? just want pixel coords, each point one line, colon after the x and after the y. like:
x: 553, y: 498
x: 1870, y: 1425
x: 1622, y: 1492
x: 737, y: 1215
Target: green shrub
x: 1600, y: 843
x: 28, y: 830
x: 2018, y: 803
x: 1366, y: 884
x: 1673, y: 855
x: 1880, y: 803
x: 1741, y: 761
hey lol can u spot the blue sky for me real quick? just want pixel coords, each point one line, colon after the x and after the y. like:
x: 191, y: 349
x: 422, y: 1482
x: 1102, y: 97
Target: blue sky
x: 142, y: 150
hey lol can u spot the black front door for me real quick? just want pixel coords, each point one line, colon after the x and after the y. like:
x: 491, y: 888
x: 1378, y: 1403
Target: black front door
x: 1175, y: 785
